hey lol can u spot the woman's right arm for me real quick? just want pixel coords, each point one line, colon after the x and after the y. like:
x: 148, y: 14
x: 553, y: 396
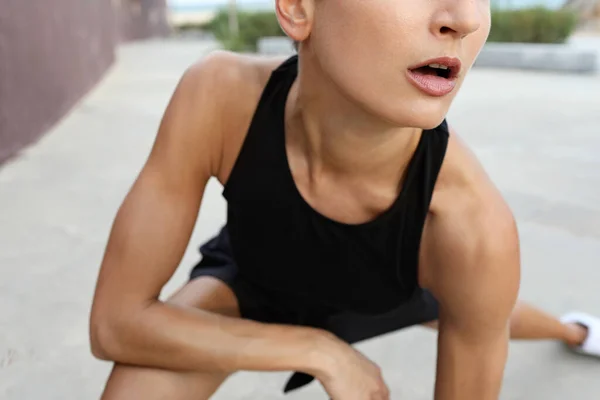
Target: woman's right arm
x: 129, y: 324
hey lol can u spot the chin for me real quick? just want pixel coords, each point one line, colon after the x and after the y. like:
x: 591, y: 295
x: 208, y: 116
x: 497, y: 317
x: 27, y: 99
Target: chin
x: 428, y: 121
x: 425, y: 115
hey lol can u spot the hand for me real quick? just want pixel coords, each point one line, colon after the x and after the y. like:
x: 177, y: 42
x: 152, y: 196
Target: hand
x: 352, y: 376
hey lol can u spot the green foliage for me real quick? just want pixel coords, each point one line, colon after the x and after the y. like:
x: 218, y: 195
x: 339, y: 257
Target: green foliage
x: 529, y: 25
x: 532, y: 25
x: 253, y: 26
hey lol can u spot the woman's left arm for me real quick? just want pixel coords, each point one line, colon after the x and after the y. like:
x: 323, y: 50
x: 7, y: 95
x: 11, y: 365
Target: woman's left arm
x: 472, y: 253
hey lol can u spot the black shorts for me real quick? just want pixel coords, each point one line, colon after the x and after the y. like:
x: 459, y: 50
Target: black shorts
x: 271, y: 306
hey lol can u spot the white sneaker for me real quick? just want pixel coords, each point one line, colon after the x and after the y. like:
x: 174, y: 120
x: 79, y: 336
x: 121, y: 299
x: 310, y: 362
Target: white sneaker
x: 591, y: 344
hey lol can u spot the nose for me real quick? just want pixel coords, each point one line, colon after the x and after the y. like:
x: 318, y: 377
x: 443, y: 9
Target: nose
x: 459, y: 18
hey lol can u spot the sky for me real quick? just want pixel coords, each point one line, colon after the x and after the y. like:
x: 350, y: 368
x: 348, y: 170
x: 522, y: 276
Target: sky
x: 218, y: 3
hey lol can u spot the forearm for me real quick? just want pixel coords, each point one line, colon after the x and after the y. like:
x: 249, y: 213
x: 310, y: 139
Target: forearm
x: 468, y: 370
x: 172, y: 337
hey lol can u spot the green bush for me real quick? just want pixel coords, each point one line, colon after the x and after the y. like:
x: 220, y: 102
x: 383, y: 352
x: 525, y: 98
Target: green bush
x: 532, y: 25
x: 253, y: 26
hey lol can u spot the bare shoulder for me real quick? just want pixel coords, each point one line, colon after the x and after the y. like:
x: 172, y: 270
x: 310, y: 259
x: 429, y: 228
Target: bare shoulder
x: 466, y: 199
x: 243, y: 95
x: 470, y: 236
x: 217, y: 96
x: 222, y: 70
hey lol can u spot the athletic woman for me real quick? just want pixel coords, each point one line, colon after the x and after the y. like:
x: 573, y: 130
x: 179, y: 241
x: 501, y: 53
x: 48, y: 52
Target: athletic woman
x: 354, y: 210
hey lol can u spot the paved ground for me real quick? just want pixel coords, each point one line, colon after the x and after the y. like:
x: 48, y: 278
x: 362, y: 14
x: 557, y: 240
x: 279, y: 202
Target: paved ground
x: 538, y: 135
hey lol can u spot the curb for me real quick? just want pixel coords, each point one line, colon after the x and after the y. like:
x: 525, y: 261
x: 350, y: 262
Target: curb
x: 540, y: 57
x: 526, y: 56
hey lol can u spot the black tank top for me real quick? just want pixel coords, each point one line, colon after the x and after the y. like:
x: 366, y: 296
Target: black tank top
x: 282, y: 244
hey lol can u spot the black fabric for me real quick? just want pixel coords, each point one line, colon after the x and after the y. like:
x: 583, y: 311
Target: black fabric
x: 263, y: 305
x: 280, y: 242
x: 287, y: 263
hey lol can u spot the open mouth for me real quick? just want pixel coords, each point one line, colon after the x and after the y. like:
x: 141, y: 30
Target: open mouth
x: 442, y: 71
x: 436, y: 77
x: 443, y: 67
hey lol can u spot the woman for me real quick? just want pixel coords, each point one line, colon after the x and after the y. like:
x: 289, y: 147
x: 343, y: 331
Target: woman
x: 353, y: 211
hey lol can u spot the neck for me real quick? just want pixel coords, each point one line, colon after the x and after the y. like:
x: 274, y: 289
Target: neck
x: 339, y: 136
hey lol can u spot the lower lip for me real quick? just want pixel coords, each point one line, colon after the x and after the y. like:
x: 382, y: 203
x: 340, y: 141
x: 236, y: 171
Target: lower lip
x: 432, y: 85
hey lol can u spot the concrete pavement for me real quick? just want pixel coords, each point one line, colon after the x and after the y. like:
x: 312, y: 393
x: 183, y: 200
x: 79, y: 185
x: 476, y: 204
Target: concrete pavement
x: 537, y: 134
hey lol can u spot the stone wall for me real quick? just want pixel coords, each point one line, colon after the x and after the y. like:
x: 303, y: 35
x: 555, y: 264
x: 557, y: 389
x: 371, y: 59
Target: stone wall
x: 53, y: 52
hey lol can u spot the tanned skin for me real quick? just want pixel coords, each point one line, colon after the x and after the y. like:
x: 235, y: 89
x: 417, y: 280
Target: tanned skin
x: 469, y: 253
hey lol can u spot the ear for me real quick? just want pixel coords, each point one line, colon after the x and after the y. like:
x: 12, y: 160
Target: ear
x: 295, y: 17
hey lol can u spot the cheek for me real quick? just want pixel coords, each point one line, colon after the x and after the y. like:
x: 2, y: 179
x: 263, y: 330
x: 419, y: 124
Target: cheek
x: 474, y: 44
x: 486, y: 26
x: 360, y: 27
x: 357, y: 40
x: 337, y: 27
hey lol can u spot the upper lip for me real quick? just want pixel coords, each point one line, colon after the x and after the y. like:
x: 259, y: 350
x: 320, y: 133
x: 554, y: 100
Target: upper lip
x: 452, y: 63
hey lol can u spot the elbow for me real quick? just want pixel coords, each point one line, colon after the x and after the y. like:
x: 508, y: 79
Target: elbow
x: 106, y: 337
x: 102, y: 339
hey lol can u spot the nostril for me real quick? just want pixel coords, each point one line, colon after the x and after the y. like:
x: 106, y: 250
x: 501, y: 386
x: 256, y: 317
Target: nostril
x: 445, y: 30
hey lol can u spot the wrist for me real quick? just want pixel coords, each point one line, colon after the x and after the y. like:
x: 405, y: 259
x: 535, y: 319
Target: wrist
x: 323, y: 354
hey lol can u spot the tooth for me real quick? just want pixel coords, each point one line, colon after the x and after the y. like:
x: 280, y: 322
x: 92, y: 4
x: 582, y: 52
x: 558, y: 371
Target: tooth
x: 439, y: 66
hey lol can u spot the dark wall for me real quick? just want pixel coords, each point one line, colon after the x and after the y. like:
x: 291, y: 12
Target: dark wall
x: 54, y: 52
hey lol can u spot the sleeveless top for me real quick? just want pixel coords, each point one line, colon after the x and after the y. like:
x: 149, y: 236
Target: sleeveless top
x: 280, y: 243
